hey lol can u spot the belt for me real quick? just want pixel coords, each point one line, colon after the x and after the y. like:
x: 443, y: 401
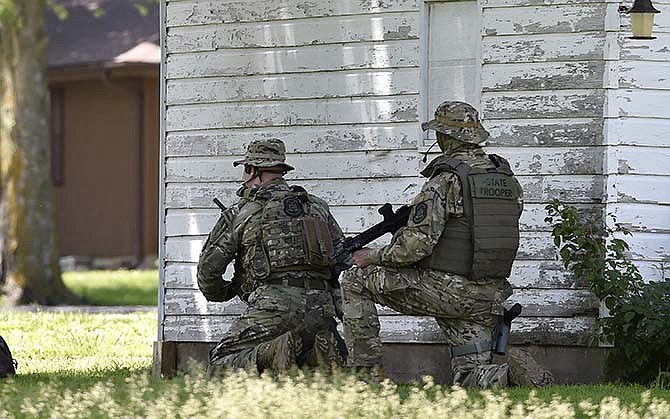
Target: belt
x: 308, y: 284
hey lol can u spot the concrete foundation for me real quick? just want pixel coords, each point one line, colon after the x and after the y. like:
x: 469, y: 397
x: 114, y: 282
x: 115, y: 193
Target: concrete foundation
x: 408, y: 362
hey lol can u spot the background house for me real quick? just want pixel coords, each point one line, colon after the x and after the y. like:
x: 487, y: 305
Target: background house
x: 578, y: 108
x: 103, y: 79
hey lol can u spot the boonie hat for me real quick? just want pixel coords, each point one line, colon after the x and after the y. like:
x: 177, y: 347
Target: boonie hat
x: 458, y: 120
x: 265, y: 153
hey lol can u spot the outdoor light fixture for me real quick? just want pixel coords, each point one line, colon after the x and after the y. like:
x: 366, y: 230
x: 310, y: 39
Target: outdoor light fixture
x: 642, y: 14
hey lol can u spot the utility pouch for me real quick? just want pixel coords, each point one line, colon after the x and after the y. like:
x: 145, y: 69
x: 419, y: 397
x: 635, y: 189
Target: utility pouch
x: 318, y: 244
x: 257, y: 261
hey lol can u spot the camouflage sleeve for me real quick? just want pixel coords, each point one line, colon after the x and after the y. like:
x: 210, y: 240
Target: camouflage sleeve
x: 439, y: 199
x: 219, y: 250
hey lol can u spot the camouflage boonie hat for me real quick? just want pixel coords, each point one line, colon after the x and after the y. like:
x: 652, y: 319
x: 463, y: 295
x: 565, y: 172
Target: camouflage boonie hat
x: 265, y: 153
x: 458, y: 120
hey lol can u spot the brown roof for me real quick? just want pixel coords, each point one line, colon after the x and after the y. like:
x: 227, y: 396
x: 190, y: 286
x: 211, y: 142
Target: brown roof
x: 120, y: 35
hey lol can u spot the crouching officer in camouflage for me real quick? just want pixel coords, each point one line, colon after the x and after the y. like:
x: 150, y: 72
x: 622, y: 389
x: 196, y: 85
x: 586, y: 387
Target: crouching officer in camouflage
x: 282, y: 240
x: 452, y: 259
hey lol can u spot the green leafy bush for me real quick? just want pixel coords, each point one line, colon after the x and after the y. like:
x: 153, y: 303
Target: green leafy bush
x: 639, y: 314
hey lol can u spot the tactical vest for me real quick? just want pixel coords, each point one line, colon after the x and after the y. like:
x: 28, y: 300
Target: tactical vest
x: 483, y: 242
x: 292, y: 235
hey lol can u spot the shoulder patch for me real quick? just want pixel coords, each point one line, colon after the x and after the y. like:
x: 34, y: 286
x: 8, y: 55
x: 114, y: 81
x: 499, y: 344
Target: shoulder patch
x: 420, y: 212
x: 293, y: 207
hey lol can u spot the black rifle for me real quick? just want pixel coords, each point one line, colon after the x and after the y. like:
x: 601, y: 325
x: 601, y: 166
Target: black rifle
x: 219, y: 204
x: 503, y: 329
x: 391, y: 223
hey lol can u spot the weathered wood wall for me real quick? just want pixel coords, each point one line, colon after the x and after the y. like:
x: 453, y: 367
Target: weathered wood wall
x: 638, y: 138
x: 340, y: 81
x: 543, y: 65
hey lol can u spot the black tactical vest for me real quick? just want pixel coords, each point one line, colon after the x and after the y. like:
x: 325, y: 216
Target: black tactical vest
x: 483, y: 243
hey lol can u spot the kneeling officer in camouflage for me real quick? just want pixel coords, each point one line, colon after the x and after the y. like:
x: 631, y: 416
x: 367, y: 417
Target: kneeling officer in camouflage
x: 282, y: 240
x: 452, y: 259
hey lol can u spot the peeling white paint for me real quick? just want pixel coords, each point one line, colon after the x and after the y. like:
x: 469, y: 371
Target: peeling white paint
x: 578, y: 109
x: 305, y: 139
x: 370, y: 164
x: 293, y: 60
x: 402, y: 329
x: 291, y: 113
x: 543, y: 47
x: 198, y: 12
x: 357, y: 83
x: 575, y: 17
x: 293, y: 33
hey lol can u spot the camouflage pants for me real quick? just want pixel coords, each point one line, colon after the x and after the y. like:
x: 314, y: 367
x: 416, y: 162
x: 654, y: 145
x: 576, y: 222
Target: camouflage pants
x: 274, y: 311
x: 466, y: 312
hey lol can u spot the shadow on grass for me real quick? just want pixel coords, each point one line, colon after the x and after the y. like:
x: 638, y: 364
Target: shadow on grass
x: 115, y: 288
x: 78, y: 380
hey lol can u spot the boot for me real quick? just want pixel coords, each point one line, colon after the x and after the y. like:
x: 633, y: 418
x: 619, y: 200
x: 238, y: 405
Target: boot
x: 483, y: 376
x: 279, y: 355
x: 325, y: 353
x: 525, y: 371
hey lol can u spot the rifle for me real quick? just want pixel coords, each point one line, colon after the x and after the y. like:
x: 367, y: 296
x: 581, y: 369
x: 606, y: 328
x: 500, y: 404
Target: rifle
x: 219, y: 204
x: 503, y: 329
x: 391, y: 223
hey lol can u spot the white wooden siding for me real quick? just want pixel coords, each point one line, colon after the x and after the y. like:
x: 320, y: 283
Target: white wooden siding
x: 533, y: 20
x: 344, y: 98
x: 304, y: 139
x: 340, y: 82
x: 405, y: 329
x: 240, y: 62
x: 638, y: 122
x: 185, y: 13
x: 543, y: 102
x: 355, y: 83
x: 362, y: 28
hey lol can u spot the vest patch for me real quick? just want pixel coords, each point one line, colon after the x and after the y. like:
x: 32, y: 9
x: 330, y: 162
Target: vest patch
x: 293, y: 207
x: 493, y: 185
x: 420, y: 212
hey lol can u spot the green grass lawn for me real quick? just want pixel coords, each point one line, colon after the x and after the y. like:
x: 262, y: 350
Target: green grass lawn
x: 74, y: 365
x: 115, y: 288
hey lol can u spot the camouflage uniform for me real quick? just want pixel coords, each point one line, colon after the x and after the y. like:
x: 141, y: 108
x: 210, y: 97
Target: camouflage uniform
x: 281, y: 239
x: 465, y: 309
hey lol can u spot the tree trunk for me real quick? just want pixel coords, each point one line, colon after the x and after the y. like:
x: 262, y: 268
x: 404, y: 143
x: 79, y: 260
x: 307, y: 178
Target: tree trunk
x: 28, y: 247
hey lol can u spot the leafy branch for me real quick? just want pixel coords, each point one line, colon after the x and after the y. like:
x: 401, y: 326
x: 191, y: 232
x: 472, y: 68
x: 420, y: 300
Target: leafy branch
x: 639, y: 313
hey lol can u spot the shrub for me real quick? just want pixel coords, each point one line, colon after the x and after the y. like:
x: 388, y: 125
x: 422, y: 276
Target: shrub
x: 639, y: 313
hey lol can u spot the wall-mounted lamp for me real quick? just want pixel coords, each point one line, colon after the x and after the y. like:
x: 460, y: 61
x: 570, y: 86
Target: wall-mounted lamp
x: 642, y: 14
